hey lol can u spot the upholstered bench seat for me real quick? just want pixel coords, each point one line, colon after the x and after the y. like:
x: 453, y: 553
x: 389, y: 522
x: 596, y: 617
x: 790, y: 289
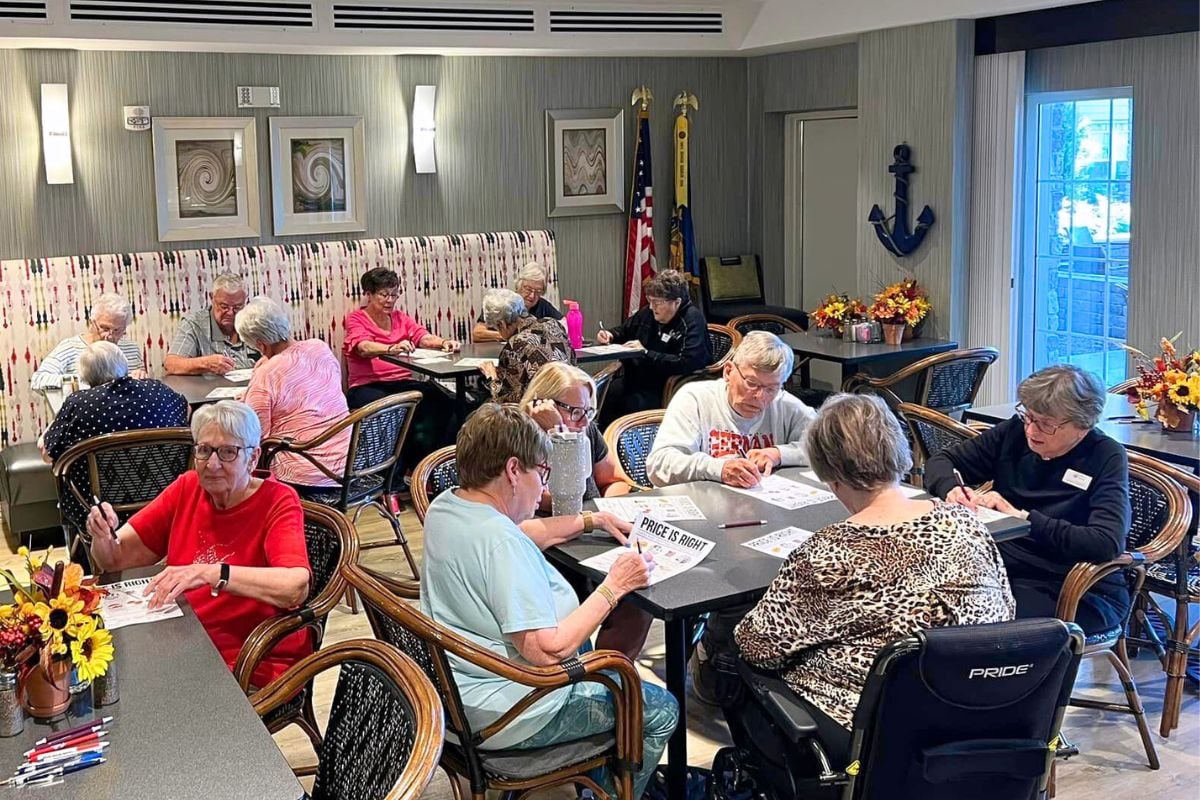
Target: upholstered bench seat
x: 28, y: 496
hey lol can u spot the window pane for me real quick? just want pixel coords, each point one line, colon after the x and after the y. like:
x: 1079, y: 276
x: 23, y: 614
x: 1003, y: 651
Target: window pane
x: 1118, y: 215
x: 1092, y: 139
x: 1051, y: 292
x: 1088, y: 353
x: 1118, y: 295
x: 1053, y: 219
x: 1087, y: 306
x: 1122, y: 130
x: 1089, y: 217
x: 1056, y: 145
x: 1117, y: 363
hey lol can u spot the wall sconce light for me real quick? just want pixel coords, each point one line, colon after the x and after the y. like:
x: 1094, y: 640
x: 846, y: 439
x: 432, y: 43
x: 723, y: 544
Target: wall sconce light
x: 423, y: 129
x: 56, y: 134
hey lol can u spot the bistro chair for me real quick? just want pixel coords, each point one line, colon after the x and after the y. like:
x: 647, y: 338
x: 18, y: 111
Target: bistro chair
x: 127, y: 469
x: 1161, y: 515
x: 603, y: 380
x: 1178, y: 578
x: 385, y: 731
x: 1124, y: 387
x: 516, y: 771
x: 436, y: 473
x: 946, y: 382
x: 377, y: 435
x: 332, y: 546
x: 780, y: 327
x: 631, y: 437
x: 724, y: 340
x: 930, y: 433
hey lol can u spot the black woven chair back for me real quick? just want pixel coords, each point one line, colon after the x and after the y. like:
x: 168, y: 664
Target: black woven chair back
x: 721, y: 343
x: 442, y: 478
x: 324, y: 551
x: 1150, y: 509
x: 933, y: 438
x: 369, y: 738
x: 632, y: 449
x: 951, y: 387
x: 776, y: 325
x: 377, y: 440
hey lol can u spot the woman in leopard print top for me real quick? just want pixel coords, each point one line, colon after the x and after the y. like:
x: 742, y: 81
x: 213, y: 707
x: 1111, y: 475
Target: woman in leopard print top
x: 895, y: 566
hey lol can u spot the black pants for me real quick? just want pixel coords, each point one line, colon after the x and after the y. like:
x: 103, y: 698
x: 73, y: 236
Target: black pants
x: 1101, y: 609
x: 434, y: 423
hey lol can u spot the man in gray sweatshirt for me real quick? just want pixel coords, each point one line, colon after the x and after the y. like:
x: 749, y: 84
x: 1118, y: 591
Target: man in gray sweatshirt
x: 735, y: 430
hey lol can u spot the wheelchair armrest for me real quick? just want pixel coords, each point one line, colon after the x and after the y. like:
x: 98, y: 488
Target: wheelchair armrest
x: 781, y: 703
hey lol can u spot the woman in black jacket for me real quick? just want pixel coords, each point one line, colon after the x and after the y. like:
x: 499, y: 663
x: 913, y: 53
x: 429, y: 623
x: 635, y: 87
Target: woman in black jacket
x: 674, y: 335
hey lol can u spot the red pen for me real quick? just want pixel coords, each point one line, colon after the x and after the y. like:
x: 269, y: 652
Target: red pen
x: 88, y: 738
x: 87, y: 727
x: 746, y: 524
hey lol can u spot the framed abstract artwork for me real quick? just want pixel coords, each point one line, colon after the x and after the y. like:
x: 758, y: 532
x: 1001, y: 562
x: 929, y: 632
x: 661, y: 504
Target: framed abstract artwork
x: 206, y: 178
x: 585, y: 162
x: 318, y: 175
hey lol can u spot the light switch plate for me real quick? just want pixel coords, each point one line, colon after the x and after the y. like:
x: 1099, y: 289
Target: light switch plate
x: 258, y: 96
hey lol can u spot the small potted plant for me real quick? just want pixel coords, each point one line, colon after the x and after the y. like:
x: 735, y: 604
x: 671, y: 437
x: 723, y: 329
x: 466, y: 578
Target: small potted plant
x: 836, y: 311
x: 1169, y: 381
x: 899, y: 308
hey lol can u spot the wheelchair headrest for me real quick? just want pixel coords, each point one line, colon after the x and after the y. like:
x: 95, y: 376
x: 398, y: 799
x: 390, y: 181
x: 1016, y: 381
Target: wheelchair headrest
x: 989, y: 666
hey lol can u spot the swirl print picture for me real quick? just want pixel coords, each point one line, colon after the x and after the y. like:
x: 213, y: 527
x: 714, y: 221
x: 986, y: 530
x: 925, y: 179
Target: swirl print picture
x: 318, y: 175
x: 585, y: 163
x: 206, y: 178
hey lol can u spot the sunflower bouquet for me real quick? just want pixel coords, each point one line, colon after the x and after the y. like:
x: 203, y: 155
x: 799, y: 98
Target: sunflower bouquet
x: 902, y: 303
x: 1169, y: 380
x: 836, y: 310
x: 54, y: 619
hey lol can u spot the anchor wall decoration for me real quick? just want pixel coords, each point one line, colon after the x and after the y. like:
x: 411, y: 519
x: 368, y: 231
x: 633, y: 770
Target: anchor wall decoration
x: 898, y: 239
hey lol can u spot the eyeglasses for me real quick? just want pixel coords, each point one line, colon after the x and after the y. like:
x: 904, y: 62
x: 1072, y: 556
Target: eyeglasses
x: 110, y: 331
x: 225, y: 308
x: 1027, y: 419
x: 526, y: 290
x: 387, y: 295
x: 575, y: 413
x: 754, y: 387
x: 543, y: 471
x: 658, y: 302
x: 226, y: 452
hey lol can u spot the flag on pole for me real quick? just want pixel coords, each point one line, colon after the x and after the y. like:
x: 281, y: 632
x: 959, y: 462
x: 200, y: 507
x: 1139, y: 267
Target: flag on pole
x: 639, y: 250
x: 683, y: 237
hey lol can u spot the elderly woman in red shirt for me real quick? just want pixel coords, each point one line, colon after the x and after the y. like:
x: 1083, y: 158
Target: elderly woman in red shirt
x: 233, y: 542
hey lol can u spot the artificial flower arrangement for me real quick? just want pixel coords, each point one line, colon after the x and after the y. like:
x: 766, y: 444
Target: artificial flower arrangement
x: 903, y: 303
x: 1170, y: 381
x: 53, y: 622
x: 836, y: 310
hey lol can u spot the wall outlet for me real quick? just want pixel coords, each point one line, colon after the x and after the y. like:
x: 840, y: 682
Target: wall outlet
x: 258, y: 96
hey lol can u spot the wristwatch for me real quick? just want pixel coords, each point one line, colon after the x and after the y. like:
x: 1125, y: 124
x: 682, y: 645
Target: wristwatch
x: 222, y: 581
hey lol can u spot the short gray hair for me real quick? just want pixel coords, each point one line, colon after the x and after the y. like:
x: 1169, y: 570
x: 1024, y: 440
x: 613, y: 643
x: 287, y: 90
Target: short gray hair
x: 229, y: 282
x: 856, y: 441
x: 1064, y: 391
x: 531, y: 273
x: 102, y: 362
x: 233, y: 417
x: 502, y: 305
x: 764, y: 351
x: 111, y: 305
x: 263, y: 320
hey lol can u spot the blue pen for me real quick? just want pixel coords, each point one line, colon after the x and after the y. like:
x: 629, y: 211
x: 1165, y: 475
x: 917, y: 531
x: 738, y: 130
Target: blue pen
x: 58, y: 768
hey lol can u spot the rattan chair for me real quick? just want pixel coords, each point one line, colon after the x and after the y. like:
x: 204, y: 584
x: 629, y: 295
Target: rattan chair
x: 930, y: 433
x: 385, y: 732
x: 631, y: 437
x: 1161, y: 515
x: 1176, y: 577
x: 519, y: 771
x: 127, y: 469
x: 332, y: 545
x: 947, y: 382
x: 377, y: 435
x: 603, y: 380
x: 778, y: 326
x: 1123, y: 387
x: 436, y: 473
x: 724, y: 340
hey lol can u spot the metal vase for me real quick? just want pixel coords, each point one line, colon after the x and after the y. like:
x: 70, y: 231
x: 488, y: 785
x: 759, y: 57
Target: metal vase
x: 12, y: 715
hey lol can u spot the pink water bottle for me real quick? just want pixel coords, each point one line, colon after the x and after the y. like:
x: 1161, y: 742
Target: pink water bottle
x: 574, y: 324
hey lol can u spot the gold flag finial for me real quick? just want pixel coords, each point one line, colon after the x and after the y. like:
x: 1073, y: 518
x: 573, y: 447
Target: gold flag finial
x: 685, y: 99
x: 642, y: 95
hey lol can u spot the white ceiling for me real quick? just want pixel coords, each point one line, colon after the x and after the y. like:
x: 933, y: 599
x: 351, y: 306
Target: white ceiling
x: 748, y: 27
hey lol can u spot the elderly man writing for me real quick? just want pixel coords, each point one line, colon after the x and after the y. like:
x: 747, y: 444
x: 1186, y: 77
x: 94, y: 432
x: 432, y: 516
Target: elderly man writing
x: 735, y: 430
x: 110, y: 316
x: 531, y: 286
x: 207, y: 341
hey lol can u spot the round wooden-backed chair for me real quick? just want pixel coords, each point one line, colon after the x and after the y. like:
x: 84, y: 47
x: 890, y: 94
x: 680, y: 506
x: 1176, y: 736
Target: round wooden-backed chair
x: 724, y: 340
x: 436, y: 473
x: 946, y: 382
x: 631, y: 437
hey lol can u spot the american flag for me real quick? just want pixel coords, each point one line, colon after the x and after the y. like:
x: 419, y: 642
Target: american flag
x: 639, y: 250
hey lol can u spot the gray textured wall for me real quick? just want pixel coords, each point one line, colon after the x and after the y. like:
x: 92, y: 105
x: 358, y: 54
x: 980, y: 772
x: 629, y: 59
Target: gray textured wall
x: 491, y: 146
x: 915, y: 85
x: 1164, y: 254
x: 777, y: 85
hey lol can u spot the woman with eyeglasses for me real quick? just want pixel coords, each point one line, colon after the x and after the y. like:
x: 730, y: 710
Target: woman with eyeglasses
x: 487, y: 580
x: 1050, y: 465
x: 233, y: 541
x: 108, y: 319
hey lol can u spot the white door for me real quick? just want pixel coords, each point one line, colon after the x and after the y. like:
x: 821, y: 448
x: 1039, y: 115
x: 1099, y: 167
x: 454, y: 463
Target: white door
x: 820, y: 213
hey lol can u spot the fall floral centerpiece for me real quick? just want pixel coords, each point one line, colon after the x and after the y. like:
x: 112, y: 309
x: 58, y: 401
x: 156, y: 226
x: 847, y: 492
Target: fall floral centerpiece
x: 1170, y: 381
x: 52, y: 625
x: 901, y: 304
x: 836, y: 310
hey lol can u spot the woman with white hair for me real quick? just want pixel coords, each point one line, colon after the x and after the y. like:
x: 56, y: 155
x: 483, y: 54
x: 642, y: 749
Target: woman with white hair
x: 531, y: 285
x: 109, y: 318
x: 293, y: 395
x: 1050, y: 465
x: 233, y: 542
x: 528, y: 345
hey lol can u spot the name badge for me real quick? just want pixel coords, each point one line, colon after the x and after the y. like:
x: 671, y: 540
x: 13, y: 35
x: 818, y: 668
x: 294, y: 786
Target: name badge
x: 666, y: 337
x: 1077, y: 479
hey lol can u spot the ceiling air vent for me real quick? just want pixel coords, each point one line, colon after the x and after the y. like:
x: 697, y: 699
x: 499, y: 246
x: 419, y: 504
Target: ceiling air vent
x: 665, y: 21
x: 23, y: 9
x: 431, y: 18
x: 260, y: 13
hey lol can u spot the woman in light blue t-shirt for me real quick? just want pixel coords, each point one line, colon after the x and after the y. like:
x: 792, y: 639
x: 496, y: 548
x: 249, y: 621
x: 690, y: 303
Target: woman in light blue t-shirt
x: 487, y: 580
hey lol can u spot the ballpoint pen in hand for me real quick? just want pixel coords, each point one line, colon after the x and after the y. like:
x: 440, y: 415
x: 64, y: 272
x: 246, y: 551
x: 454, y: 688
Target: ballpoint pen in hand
x: 111, y: 529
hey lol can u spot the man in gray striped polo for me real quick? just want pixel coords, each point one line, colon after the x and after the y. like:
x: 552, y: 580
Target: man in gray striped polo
x: 207, y: 342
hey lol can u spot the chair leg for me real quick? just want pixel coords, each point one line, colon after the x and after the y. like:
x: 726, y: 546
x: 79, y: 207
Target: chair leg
x: 1120, y: 661
x: 307, y: 722
x: 1051, y: 786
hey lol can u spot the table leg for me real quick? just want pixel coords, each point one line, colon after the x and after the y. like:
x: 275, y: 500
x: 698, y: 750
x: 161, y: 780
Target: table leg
x: 460, y: 398
x: 677, y: 636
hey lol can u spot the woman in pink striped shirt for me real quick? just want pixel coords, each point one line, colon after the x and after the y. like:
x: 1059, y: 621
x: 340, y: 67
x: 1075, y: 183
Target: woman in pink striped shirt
x: 296, y: 392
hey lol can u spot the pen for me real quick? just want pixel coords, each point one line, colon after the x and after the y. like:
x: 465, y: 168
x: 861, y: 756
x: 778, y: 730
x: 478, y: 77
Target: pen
x: 74, y: 741
x: 746, y: 524
x: 112, y: 530
x: 86, y: 727
x: 37, y: 762
x: 56, y: 769
x: 638, y: 542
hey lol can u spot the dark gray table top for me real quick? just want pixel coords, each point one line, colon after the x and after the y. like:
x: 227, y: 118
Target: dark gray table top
x: 731, y: 574
x: 196, y: 387
x: 1120, y: 421
x: 833, y: 348
x: 451, y: 368
x: 182, y: 728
